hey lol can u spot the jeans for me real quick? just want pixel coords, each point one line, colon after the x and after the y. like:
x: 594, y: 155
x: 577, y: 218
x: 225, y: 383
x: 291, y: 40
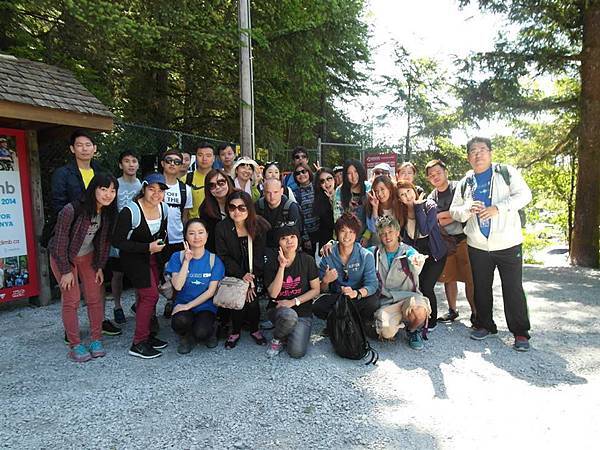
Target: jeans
x: 146, y: 303
x: 295, y: 329
x: 200, y: 324
x: 432, y: 270
x: 94, y: 297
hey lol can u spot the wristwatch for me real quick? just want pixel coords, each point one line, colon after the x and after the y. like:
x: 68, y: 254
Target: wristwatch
x: 297, y: 301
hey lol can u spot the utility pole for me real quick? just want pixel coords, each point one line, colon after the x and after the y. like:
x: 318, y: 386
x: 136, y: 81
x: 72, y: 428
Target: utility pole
x: 246, y: 80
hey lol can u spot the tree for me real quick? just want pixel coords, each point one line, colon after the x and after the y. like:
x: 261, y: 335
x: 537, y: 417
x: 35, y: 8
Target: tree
x: 558, y: 39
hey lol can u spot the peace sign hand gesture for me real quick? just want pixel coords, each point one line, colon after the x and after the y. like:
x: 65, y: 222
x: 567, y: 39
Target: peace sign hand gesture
x: 283, y: 261
x: 187, y: 255
x: 421, y: 199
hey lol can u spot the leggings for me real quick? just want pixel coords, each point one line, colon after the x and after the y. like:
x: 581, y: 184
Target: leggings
x: 250, y: 313
x: 200, y: 324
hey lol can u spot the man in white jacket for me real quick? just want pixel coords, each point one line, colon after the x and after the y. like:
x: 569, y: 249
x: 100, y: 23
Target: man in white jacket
x: 488, y: 199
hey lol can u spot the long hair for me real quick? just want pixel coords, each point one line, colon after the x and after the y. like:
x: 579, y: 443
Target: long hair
x: 306, y: 167
x: 394, y: 200
x: 254, y: 224
x: 322, y: 204
x: 346, y: 189
x: 210, y: 205
x: 403, y: 216
x: 87, y: 203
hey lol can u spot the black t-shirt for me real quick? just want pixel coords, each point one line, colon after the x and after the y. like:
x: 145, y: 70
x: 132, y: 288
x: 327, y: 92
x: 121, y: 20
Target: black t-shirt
x: 444, y: 199
x: 276, y: 217
x: 296, y: 279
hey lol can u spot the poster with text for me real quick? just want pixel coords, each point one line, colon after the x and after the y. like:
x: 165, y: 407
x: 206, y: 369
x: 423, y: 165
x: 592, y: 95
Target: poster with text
x: 18, y: 269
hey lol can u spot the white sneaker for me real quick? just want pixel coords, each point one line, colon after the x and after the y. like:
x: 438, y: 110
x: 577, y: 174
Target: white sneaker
x: 274, y: 348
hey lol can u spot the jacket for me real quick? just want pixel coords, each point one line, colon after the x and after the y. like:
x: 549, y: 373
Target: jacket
x: 67, y: 184
x: 505, y: 227
x: 360, y: 269
x: 427, y: 225
x: 360, y: 211
x: 69, y: 234
x: 227, y: 244
x: 135, y: 251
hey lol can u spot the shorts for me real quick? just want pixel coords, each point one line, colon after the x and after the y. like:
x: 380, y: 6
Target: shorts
x: 389, y: 319
x: 458, y: 266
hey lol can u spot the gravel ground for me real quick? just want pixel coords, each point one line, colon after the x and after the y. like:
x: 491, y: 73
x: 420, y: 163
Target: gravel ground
x: 457, y: 393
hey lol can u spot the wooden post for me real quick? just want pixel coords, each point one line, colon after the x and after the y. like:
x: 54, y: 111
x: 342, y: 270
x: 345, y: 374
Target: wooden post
x: 37, y: 201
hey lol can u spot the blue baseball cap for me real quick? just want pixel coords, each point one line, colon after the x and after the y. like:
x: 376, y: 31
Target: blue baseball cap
x: 157, y: 178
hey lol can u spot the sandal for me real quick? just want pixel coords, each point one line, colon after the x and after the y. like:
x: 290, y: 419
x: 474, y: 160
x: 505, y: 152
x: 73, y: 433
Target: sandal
x: 258, y: 338
x: 232, y: 341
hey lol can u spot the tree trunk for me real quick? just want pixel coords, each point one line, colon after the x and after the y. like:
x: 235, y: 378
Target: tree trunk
x: 585, y: 246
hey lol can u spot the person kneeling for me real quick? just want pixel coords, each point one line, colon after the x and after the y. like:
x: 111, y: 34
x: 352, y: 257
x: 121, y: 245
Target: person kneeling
x: 292, y: 282
x: 399, y: 266
x: 195, y: 274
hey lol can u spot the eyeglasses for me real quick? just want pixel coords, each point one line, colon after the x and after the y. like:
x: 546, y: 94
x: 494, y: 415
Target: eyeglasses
x: 241, y: 208
x: 378, y: 172
x: 477, y: 151
x: 326, y: 179
x: 220, y: 183
x: 301, y: 172
x: 300, y: 156
x: 173, y: 161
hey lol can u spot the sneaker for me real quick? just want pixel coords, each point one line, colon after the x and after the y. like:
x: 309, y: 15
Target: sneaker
x: 185, y: 344
x: 168, y: 310
x: 156, y: 343
x: 144, y: 350
x: 97, y: 350
x: 80, y: 353
x: 232, y: 341
x: 212, y: 340
x: 275, y: 348
x: 521, y: 344
x: 431, y: 326
x: 450, y: 316
x: 258, y: 338
x: 119, y: 315
x: 109, y: 329
x: 479, y: 334
x: 415, y: 340
x: 266, y: 325
x: 66, y: 339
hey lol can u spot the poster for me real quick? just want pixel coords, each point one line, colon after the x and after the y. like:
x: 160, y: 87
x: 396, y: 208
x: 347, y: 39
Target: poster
x: 372, y: 159
x: 18, y: 269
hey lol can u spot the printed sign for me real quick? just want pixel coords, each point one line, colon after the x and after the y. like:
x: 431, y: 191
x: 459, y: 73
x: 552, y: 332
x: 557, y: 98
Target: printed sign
x: 372, y: 160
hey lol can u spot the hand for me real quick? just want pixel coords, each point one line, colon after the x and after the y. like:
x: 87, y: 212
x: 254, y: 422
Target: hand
x: 421, y: 199
x: 418, y: 259
x: 155, y: 247
x: 283, y: 261
x: 99, y: 276
x: 488, y: 213
x: 349, y: 292
x: 250, y: 295
x: 187, y: 255
x: 374, y: 201
x: 330, y: 275
x: 67, y: 281
x: 326, y: 250
x: 285, y: 304
x: 477, y: 207
x: 249, y: 278
x: 317, y: 166
x: 179, y: 308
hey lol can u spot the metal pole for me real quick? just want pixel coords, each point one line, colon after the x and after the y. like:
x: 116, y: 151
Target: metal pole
x: 319, y: 156
x: 246, y: 94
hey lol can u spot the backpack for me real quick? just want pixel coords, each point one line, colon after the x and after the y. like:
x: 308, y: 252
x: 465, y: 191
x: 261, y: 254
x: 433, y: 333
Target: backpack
x: 286, y: 208
x: 347, y: 333
x: 136, y: 215
x: 182, y: 195
x: 502, y: 170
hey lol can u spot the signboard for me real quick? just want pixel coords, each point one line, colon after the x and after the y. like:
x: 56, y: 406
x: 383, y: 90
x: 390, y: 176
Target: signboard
x: 371, y: 160
x: 18, y: 265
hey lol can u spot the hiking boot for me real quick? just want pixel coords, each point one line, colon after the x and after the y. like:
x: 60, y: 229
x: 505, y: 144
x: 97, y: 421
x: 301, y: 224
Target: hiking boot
x: 450, y: 316
x: 479, y: 334
x: 97, y: 349
x: 275, y: 348
x: 144, y: 350
x: 156, y: 343
x: 119, y: 315
x: 186, y: 343
x: 212, y: 340
x: 415, y: 340
x: 108, y: 329
x: 168, y: 310
x: 521, y: 344
x: 80, y: 353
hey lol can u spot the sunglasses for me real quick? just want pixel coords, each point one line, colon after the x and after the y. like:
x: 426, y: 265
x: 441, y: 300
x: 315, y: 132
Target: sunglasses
x: 301, y: 156
x: 250, y: 166
x: 173, y: 161
x: 286, y: 224
x: 301, y: 172
x: 240, y: 208
x: 220, y: 183
x: 378, y: 173
x: 325, y: 180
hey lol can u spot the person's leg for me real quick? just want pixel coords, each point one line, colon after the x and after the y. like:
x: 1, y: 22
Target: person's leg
x: 253, y: 315
x: 510, y: 266
x: 323, y: 305
x: 116, y: 285
x: 203, y: 326
x: 464, y: 272
x: 69, y: 305
x: 451, y: 289
x: 427, y: 279
x: 388, y: 320
x: 482, y: 267
x: 367, y: 306
x: 182, y: 322
x: 299, y: 338
x: 284, y: 320
x: 93, y: 294
x: 147, y: 299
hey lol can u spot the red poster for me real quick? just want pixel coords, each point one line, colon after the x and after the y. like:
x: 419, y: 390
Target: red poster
x: 373, y: 159
x: 18, y: 259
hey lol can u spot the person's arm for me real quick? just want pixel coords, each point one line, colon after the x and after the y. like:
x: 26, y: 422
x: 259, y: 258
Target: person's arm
x: 62, y: 237
x: 520, y: 194
x: 60, y: 195
x: 326, y: 274
x: 459, y: 209
x: 370, y: 280
x: 274, y: 288
x: 444, y: 218
x: 206, y: 295
x: 426, y: 217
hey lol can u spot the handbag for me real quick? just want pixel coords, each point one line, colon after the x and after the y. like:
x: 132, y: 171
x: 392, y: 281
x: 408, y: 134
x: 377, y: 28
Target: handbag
x: 232, y: 291
x: 449, y: 240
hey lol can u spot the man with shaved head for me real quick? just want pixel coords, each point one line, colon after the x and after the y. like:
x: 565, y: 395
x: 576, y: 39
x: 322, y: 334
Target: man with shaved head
x: 278, y: 210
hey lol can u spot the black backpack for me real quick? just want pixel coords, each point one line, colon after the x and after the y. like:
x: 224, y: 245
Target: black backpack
x: 347, y: 333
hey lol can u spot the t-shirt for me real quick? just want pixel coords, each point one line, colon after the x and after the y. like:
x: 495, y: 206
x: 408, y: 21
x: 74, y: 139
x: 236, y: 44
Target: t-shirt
x: 296, y: 279
x: 443, y: 199
x: 174, y: 222
x: 88, y: 242
x: 87, y: 175
x: 482, y: 193
x: 199, y: 277
x: 127, y: 191
x: 197, y: 193
x: 390, y: 256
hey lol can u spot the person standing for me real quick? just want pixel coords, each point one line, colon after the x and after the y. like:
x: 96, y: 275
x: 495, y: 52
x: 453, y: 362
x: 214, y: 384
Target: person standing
x: 299, y: 156
x: 226, y: 154
x: 305, y: 193
x: 246, y: 170
x: 185, y: 167
x: 324, y: 187
x: 205, y: 157
x: 488, y: 199
x: 351, y: 196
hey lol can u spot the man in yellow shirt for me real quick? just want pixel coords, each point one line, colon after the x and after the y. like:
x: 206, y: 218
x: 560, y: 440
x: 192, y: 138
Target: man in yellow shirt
x: 205, y: 157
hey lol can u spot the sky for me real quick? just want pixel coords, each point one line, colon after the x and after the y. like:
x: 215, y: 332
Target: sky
x: 436, y: 29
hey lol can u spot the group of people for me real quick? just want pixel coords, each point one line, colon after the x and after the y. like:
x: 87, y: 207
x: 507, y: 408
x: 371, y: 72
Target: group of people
x: 380, y: 242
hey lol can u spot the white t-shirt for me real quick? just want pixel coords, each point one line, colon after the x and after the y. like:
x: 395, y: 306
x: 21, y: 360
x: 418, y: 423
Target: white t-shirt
x: 173, y: 199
